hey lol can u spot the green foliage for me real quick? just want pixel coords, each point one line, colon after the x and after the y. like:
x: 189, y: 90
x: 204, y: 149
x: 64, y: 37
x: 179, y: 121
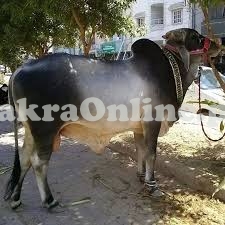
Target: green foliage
x: 205, y: 101
x: 107, y: 16
x: 31, y: 27
x: 92, y: 17
x: 28, y: 30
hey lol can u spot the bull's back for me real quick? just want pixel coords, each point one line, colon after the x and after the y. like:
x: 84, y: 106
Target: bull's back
x: 65, y: 79
x: 62, y: 79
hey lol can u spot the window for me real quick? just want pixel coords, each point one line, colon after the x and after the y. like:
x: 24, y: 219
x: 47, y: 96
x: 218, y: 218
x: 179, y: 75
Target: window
x: 217, y: 12
x: 141, y: 21
x: 177, y: 16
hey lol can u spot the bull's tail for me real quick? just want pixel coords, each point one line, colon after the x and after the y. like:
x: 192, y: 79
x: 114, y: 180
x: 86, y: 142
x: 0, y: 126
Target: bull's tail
x: 15, y: 176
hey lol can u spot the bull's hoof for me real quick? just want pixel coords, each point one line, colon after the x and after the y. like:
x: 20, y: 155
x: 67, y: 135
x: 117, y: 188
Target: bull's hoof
x: 141, y: 177
x: 157, y: 193
x: 15, y: 204
x: 153, y: 189
x: 51, y: 205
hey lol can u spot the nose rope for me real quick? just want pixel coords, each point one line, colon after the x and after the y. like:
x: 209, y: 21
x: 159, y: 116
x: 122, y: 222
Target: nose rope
x: 200, y: 108
x: 204, y: 50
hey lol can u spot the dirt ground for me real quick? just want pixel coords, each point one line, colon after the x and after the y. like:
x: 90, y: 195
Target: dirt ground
x: 110, y: 185
x: 121, y: 192
x: 188, y: 206
x: 187, y: 144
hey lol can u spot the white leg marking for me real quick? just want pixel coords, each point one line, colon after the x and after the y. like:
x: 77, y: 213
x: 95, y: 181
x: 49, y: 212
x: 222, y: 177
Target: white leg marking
x: 40, y: 168
x: 147, y: 172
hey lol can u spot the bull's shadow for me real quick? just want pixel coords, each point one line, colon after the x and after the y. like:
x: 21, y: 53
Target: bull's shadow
x: 5, y: 127
x: 179, y: 204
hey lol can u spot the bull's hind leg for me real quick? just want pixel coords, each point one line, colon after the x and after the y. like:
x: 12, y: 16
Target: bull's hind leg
x: 151, y: 132
x: 141, y: 149
x: 21, y: 166
x: 40, y: 160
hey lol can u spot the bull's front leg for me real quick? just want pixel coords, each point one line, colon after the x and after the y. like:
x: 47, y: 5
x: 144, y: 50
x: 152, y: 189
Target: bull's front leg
x: 151, y: 132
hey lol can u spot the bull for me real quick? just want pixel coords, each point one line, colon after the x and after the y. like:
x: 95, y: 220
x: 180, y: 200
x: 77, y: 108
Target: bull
x: 160, y: 76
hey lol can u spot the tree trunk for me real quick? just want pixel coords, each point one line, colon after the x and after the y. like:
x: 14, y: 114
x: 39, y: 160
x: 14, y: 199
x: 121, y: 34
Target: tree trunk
x: 207, y: 23
x: 86, y: 39
x: 212, y: 36
x: 40, y: 52
x: 43, y: 50
x: 84, y: 44
x: 87, y: 42
x: 87, y: 48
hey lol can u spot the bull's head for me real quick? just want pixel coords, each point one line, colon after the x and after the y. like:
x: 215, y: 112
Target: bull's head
x: 189, y: 41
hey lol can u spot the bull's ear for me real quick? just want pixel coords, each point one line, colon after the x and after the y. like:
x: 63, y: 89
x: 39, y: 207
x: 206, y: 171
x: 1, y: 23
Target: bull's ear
x: 185, y: 55
x: 177, y: 36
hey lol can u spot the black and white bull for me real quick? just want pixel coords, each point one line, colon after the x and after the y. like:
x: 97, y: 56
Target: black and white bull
x: 63, y: 79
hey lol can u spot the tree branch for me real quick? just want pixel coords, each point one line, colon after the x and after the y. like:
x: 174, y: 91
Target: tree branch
x: 92, y: 35
x: 205, y: 11
x: 81, y: 27
x: 79, y: 23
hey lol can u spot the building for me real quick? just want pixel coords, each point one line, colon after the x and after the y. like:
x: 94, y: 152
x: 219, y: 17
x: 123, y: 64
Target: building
x: 217, y: 21
x: 156, y: 17
x: 160, y: 16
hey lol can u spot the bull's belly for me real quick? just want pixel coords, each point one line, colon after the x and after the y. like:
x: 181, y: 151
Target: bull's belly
x: 98, y: 134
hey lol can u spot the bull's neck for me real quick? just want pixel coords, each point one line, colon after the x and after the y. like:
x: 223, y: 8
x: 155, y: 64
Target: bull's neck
x: 187, y: 76
x: 195, y: 61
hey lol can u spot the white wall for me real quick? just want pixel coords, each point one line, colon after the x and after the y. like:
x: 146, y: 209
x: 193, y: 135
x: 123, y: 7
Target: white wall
x: 199, y: 17
x: 156, y: 12
x: 141, y: 6
x: 155, y: 33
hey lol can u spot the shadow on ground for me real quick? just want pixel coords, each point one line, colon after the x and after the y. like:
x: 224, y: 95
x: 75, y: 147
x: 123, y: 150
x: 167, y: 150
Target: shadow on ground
x: 183, y: 205
x: 109, y: 182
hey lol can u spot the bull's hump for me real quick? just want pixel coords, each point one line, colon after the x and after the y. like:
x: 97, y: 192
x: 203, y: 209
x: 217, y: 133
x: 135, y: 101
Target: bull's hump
x: 145, y: 48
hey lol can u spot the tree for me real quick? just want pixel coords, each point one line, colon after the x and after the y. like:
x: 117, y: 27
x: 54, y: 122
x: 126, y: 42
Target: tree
x: 10, y: 52
x: 28, y: 30
x: 92, y: 17
x: 11, y: 56
x: 205, y: 5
